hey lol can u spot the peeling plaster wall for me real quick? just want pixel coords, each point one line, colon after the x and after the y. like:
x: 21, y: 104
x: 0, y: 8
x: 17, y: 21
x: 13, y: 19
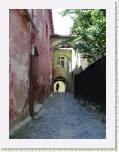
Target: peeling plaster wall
x: 42, y: 65
x: 19, y: 56
x: 58, y: 71
x: 19, y: 44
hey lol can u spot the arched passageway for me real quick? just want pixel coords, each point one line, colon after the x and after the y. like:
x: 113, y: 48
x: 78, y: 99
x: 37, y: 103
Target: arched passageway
x: 62, y: 86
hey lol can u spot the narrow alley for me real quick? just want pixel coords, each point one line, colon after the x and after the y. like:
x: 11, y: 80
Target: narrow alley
x: 63, y: 117
x: 56, y: 89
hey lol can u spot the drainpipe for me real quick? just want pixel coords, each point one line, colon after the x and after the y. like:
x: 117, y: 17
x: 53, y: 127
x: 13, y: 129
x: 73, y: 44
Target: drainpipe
x: 31, y: 102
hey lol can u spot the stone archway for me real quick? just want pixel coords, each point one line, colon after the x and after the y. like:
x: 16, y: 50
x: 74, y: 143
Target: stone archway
x: 63, y: 82
x: 62, y: 86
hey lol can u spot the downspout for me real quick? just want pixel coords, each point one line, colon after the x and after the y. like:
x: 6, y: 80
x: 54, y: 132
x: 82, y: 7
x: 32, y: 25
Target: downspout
x: 31, y: 101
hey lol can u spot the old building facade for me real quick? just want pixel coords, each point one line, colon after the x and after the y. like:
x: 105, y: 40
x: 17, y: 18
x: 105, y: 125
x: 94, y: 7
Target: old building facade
x: 61, y: 66
x: 64, y: 61
x: 30, y: 70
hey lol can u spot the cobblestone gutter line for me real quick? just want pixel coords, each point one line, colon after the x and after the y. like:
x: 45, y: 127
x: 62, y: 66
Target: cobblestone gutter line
x: 63, y: 118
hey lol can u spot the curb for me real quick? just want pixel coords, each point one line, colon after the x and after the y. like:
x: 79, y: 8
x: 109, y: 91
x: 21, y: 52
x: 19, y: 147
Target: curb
x: 19, y: 125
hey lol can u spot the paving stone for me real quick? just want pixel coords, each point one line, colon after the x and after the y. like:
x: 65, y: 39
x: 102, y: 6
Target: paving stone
x: 64, y: 117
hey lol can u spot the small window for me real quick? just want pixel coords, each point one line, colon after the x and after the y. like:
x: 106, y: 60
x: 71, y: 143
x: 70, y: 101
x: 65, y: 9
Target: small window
x: 60, y: 62
x: 34, y: 51
x: 46, y: 31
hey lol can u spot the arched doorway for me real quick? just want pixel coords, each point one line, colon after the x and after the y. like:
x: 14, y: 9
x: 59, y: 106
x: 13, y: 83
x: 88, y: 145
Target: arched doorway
x: 62, y: 86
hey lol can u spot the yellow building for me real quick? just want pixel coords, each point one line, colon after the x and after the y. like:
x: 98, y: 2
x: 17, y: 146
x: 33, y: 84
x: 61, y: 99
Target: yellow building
x: 65, y: 62
x: 61, y: 64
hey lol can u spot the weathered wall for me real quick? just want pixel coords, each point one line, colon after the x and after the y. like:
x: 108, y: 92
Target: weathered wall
x: 62, y: 72
x: 43, y: 66
x: 58, y: 71
x: 23, y: 34
x: 19, y: 46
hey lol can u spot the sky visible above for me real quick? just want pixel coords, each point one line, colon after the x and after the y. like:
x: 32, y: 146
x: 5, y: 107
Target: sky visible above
x: 62, y: 25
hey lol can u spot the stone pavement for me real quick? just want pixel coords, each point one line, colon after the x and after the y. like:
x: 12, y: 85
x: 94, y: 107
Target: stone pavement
x: 64, y: 117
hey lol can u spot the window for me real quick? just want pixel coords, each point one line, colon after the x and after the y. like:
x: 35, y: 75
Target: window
x: 60, y: 62
x: 46, y: 30
x: 34, y: 51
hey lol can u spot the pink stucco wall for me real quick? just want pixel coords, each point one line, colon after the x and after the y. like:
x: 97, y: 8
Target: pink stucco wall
x: 22, y: 35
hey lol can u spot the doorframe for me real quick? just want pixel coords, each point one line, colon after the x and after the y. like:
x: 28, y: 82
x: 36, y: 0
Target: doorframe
x: 34, y: 53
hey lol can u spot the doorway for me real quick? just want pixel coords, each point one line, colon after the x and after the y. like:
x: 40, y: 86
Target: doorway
x: 33, y: 59
x: 62, y: 86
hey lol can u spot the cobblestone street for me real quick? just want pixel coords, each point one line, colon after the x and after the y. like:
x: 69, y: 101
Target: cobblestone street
x: 64, y: 117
